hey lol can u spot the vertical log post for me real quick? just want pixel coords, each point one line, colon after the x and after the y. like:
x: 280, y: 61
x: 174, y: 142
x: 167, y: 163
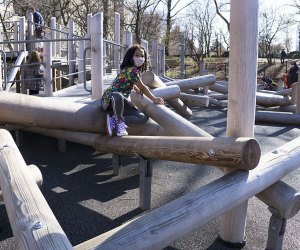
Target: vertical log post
x: 117, y: 38
x: 116, y: 164
x: 154, y: 64
x: 71, y: 53
x: 241, y: 111
x: 48, y: 69
x: 145, y: 183
x: 296, y: 96
x: 97, y: 55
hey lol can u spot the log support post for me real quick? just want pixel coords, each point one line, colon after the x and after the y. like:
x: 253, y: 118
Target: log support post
x: 61, y: 145
x: 276, y: 230
x: 145, y: 183
x: 116, y: 164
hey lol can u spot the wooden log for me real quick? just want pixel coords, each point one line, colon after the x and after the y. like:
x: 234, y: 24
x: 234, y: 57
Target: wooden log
x: 286, y: 108
x: 180, y: 107
x: 167, y: 92
x: 241, y: 100
x: 153, y: 81
x: 50, y: 113
x: 217, y: 103
x: 237, y: 153
x: 194, y: 100
x: 284, y: 92
x: 162, y: 226
x: 33, y: 223
x: 169, y: 120
x: 193, y: 83
x: 270, y: 100
x: 282, y: 197
x: 296, y: 96
x: 217, y: 87
x: 36, y: 174
x: 277, y: 117
x: 219, y: 96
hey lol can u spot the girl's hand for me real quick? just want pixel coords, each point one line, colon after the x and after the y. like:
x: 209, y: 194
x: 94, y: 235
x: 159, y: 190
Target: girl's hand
x: 158, y: 100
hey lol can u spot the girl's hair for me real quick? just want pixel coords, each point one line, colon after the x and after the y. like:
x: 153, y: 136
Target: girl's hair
x: 128, y: 58
x: 34, y: 57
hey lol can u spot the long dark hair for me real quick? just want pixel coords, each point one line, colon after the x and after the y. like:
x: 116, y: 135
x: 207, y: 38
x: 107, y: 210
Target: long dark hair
x: 128, y: 58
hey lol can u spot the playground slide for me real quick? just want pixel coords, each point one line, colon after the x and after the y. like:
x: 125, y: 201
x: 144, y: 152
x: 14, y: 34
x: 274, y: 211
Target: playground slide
x: 15, y: 69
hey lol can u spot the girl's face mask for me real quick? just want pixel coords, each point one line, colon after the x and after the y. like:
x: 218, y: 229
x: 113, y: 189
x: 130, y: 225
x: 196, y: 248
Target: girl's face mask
x: 138, y: 61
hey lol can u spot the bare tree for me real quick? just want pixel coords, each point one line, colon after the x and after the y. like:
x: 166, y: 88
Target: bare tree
x: 137, y: 11
x: 222, y: 7
x: 272, y: 22
x: 171, y: 15
x: 199, y: 32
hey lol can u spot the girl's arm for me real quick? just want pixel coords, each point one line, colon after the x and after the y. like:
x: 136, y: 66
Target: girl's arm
x: 145, y: 90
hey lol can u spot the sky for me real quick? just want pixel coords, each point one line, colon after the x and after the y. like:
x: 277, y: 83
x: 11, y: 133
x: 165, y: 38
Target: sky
x: 281, y: 5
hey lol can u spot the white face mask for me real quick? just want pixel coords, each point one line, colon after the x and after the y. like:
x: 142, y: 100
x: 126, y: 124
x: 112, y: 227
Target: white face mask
x: 138, y: 61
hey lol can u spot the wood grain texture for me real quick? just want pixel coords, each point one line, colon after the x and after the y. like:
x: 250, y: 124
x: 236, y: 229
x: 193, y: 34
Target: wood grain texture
x: 26, y: 206
x: 238, y: 153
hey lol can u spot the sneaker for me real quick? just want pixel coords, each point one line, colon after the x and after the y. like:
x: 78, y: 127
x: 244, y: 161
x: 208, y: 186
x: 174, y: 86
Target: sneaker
x: 121, y: 128
x: 110, y: 124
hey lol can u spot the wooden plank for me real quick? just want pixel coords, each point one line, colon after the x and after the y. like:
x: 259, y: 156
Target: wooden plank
x: 238, y: 153
x: 33, y: 223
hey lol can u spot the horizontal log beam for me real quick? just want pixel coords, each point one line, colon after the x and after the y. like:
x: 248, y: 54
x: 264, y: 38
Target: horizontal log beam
x: 277, y: 117
x: 282, y: 197
x: 32, y: 221
x: 162, y: 226
x: 194, y: 100
x: 238, y: 153
x: 271, y: 100
x: 33, y: 111
x: 194, y: 82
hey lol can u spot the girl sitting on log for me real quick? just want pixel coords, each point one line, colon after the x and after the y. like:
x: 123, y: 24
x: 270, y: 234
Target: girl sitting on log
x: 115, y: 98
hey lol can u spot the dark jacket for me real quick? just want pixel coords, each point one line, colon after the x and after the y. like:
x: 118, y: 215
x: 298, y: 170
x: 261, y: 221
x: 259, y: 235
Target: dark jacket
x: 33, y: 76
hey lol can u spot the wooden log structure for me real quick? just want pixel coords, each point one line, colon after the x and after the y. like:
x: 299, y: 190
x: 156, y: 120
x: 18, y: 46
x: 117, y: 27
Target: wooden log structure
x: 32, y: 221
x: 282, y: 197
x: 271, y: 100
x: 219, y: 96
x: 63, y: 115
x: 217, y: 87
x: 162, y: 226
x: 173, y: 123
x: 36, y: 174
x: 241, y: 99
x: 296, y: 96
x: 167, y: 92
x: 194, y: 100
x: 153, y: 81
x: 284, y: 92
x: 287, y: 108
x: 50, y: 113
x: 194, y: 82
x: 277, y: 117
x: 237, y: 153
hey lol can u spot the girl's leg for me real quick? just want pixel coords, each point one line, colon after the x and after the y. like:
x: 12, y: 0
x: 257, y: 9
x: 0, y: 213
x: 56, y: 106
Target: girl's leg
x: 133, y: 115
x: 117, y: 105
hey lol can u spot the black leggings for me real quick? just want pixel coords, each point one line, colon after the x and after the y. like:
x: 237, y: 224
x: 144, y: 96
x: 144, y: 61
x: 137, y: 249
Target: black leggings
x: 123, y: 109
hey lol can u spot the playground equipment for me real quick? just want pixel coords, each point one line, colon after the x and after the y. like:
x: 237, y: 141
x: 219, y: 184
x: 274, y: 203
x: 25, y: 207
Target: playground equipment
x: 83, y: 122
